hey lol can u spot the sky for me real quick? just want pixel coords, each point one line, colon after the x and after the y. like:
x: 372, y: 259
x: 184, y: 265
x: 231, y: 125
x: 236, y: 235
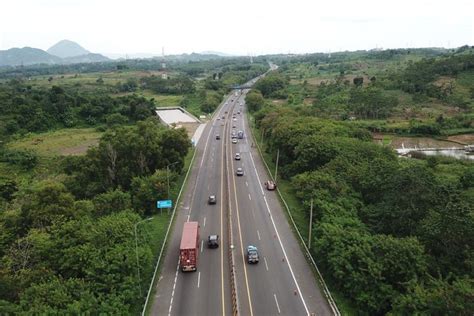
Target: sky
x: 243, y: 27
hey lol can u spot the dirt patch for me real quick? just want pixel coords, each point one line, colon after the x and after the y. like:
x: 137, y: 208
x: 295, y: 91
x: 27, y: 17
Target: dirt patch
x: 421, y: 142
x: 189, y: 127
x: 467, y: 139
x: 80, y: 149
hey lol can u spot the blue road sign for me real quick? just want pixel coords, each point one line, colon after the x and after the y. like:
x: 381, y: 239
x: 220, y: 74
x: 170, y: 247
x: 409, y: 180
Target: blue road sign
x: 164, y: 204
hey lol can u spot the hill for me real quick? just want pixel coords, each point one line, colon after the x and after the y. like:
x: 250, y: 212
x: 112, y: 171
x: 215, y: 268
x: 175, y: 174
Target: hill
x: 87, y: 58
x: 67, y: 48
x: 26, y: 56
x: 64, y: 52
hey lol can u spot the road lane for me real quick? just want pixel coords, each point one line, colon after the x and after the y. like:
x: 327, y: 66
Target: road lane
x: 178, y: 293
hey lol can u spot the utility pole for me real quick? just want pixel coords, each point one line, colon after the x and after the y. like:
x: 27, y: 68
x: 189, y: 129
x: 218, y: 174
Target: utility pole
x: 276, y: 167
x: 310, y: 223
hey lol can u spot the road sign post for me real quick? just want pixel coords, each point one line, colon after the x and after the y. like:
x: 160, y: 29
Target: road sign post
x: 164, y: 204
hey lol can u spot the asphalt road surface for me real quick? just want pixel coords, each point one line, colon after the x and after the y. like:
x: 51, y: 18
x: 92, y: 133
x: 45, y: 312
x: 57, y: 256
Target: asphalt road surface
x: 282, y: 282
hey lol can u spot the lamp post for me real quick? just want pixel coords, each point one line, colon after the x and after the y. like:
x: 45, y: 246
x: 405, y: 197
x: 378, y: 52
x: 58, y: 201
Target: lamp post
x: 168, y: 178
x: 136, y: 252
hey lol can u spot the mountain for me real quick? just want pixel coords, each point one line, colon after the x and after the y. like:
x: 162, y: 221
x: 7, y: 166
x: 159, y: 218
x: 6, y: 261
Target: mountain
x: 66, y: 48
x: 26, y: 56
x: 64, y: 52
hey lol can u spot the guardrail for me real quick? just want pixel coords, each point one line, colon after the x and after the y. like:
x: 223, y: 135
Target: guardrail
x: 326, y: 291
x: 233, y: 286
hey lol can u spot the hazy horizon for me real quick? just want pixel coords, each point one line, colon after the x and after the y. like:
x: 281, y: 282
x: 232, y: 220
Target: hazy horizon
x: 115, y: 28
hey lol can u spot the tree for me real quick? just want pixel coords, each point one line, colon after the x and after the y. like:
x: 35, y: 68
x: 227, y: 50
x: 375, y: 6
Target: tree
x: 358, y: 81
x: 48, y: 202
x: 254, y: 101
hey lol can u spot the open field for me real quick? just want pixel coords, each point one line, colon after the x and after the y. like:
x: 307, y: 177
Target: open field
x: 61, y: 142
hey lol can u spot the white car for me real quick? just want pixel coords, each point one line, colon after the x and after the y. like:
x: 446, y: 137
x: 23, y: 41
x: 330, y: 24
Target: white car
x: 235, y: 120
x: 234, y: 140
x: 237, y: 156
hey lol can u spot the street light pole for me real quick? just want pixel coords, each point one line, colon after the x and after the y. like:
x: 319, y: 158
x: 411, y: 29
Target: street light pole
x: 136, y: 253
x: 276, y: 166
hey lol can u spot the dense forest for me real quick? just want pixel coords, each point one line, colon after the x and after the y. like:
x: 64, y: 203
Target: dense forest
x: 393, y: 236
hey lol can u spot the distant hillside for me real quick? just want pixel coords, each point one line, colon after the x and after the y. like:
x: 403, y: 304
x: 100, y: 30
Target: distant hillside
x: 26, y: 56
x: 64, y: 52
x: 66, y: 48
x: 88, y: 58
x: 210, y: 52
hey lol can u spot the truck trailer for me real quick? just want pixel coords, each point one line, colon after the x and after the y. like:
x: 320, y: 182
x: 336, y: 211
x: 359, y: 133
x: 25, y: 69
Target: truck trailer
x: 189, y: 248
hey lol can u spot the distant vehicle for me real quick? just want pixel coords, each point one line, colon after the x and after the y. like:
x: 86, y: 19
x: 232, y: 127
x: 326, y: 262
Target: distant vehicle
x: 237, y: 156
x: 252, y: 254
x: 212, y: 241
x: 189, y: 247
x: 212, y: 199
x: 233, y: 126
x: 234, y: 140
x: 238, y: 112
x: 218, y: 136
x: 270, y: 185
x: 235, y: 120
x: 239, y: 172
x: 223, y: 116
x: 240, y: 134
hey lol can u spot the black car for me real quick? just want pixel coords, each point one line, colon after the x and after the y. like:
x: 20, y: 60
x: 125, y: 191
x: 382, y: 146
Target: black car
x: 218, y: 136
x: 212, y: 241
x: 212, y: 199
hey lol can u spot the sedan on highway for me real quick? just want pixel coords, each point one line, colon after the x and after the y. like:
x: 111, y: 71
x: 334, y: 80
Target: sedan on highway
x: 252, y: 254
x: 212, y: 241
x: 234, y: 140
x: 237, y: 156
x: 270, y: 185
x: 212, y: 199
x: 239, y: 172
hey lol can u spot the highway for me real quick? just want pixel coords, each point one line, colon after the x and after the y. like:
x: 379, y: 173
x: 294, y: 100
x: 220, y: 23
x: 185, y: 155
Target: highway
x: 282, y: 282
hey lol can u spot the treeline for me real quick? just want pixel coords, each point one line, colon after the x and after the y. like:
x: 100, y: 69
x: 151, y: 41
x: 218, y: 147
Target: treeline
x: 24, y: 108
x: 67, y: 245
x: 393, y: 235
x: 419, y: 77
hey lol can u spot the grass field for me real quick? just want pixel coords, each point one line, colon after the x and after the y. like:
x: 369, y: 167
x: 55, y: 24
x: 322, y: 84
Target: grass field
x: 61, y: 142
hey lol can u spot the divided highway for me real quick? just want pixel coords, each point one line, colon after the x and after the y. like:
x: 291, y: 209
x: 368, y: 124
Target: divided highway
x: 282, y: 282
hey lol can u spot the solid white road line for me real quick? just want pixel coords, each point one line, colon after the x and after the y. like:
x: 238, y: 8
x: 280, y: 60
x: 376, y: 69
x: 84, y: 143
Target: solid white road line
x: 279, y: 240
x: 276, y: 301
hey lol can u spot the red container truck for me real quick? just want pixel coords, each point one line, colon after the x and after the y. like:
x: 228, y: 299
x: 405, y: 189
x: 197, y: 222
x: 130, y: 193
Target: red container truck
x: 189, y: 248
